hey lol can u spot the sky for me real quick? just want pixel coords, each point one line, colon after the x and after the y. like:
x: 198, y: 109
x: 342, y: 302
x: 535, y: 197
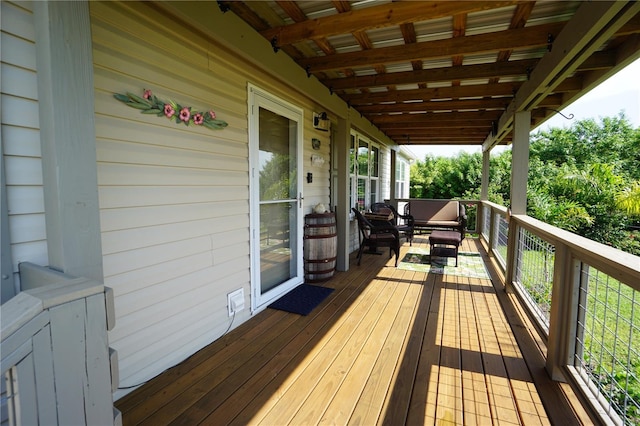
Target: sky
x: 621, y: 92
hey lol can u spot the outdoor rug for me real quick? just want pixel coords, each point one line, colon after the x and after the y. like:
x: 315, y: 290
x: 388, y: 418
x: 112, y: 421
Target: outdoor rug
x: 302, y: 299
x: 469, y: 264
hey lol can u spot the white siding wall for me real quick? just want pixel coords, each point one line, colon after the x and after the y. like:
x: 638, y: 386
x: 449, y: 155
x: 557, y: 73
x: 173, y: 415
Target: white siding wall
x: 174, y: 200
x: 21, y: 135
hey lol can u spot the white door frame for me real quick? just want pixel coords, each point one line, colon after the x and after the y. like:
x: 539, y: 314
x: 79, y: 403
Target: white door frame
x: 260, y: 98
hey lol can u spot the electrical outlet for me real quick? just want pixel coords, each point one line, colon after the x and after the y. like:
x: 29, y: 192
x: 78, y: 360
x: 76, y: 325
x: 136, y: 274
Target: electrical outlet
x: 235, y: 301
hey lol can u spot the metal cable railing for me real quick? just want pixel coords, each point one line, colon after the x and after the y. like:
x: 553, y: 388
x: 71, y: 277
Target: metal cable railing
x: 534, y: 274
x: 586, y: 296
x: 607, y: 353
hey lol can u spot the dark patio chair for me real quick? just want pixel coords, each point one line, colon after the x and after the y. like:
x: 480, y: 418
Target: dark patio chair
x: 378, y: 235
x: 404, y: 222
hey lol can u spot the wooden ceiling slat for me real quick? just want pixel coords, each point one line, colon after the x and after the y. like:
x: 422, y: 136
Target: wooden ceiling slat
x: 471, y: 72
x: 341, y: 5
x: 459, y: 28
x: 518, y: 20
x: 476, y: 104
x: 247, y: 14
x: 437, y: 125
x: 495, y: 89
x: 522, y: 38
x: 376, y: 17
x: 260, y: 16
x: 475, y: 95
x: 591, y: 27
x: 293, y: 10
x: 295, y: 13
x: 436, y: 117
x: 451, y: 133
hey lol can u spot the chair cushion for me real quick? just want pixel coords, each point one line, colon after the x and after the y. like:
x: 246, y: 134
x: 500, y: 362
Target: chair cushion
x: 443, y: 223
x: 431, y: 210
x: 383, y: 237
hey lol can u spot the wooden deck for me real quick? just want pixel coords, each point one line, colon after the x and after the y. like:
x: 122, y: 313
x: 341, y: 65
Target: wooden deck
x: 388, y: 346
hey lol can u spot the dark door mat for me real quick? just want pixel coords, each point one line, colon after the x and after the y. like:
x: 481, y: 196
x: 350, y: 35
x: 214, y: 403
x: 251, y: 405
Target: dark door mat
x: 302, y: 299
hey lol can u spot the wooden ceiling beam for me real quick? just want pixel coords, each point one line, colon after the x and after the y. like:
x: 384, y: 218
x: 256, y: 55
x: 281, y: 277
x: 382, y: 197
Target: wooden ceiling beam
x: 451, y: 139
x: 450, y: 133
x: 465, y: 72
x: 471, y: 104
x: 518, y: 20
x: 513, y: 39
x: 588, y: 30
x: 295, y: 13
x: 437, y: 117
x: 440, y: 142
x: 381, y: 16
x: 261, y: 16
x: 571, y: 84
x: 441, y: 125
x: 453, y: 92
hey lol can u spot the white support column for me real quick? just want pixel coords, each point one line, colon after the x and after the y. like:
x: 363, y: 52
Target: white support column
x: 519, y: 176
x: 520, y: 162
x: 67, y: 132
x: 342, y: 143
x: 484, y: 192
x: 484, y: 188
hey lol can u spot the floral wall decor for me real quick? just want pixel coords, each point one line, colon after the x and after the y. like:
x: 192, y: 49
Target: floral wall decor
x: 150, y: 104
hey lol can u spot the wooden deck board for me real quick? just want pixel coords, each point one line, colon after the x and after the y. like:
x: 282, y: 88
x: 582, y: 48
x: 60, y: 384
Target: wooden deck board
x: 474, y: 385
x: 370, y: 404
x: 388, y: 346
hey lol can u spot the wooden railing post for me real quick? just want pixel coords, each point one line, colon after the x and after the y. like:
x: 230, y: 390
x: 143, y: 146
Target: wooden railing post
x: 492, y: 230
x: 563, y: 313
x: 513, y: 241
x: 55, y: 350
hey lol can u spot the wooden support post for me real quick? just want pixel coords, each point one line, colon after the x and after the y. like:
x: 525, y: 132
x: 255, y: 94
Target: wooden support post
x: 392, y: 183
x: 342, y: 144
x: 484, y: 189
x: 65, y: 77
x: 484, y: 192
x: 519, y: 176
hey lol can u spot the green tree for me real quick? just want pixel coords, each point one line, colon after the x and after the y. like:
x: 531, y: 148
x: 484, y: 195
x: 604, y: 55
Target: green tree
x: 585, y: 179
x: 628, y: 199
x: 442, y: 177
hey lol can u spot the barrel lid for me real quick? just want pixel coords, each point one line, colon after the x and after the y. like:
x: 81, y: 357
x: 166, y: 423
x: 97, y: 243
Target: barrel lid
x: 320, y: 214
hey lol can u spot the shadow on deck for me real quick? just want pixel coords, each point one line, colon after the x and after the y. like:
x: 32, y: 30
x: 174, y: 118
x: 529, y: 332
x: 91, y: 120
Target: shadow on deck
x: 389, y: 345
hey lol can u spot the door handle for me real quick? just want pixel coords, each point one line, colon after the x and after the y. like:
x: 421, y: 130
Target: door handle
x: 300, y: 198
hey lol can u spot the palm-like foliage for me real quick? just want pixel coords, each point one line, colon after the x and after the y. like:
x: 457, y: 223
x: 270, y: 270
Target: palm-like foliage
x: 628, y: 200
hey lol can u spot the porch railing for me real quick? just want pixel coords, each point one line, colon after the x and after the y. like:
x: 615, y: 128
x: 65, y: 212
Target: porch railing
x: 585, y: 298
x: 56, y: 364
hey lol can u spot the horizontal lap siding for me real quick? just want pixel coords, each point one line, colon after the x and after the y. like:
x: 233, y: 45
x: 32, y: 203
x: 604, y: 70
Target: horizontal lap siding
x: 171, y: 196
x: 21, y: 135
x: 174, y: 200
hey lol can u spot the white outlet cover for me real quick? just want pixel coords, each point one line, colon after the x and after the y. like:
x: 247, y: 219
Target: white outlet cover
x: 236, y: 297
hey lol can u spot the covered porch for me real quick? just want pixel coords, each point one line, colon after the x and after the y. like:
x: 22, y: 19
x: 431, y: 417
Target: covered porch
x: 390, y: 345
x: 166, y: 221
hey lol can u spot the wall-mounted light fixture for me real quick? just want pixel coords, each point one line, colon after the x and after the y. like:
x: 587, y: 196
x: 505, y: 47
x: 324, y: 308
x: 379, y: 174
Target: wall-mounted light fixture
x: 320, y: 121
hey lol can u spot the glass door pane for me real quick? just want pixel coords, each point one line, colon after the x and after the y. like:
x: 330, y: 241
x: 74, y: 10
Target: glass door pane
x: 275, y: 144
x: 278, y: 198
